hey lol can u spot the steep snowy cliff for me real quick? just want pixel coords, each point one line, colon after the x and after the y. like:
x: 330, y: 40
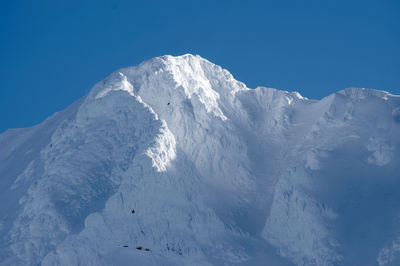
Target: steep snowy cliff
x: 216, y: 173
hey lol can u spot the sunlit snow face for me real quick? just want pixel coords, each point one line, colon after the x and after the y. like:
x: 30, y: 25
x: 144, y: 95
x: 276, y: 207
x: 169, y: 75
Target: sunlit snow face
x: 396, y: 115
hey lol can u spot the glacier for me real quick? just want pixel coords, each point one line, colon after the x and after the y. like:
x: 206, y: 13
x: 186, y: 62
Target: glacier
x: 217, y: 173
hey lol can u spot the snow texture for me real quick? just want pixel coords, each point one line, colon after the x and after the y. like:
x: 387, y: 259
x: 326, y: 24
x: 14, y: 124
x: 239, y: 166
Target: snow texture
x: 217, y: 173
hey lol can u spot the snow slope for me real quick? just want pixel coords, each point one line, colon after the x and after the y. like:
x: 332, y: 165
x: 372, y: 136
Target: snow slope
x: 217, y: 173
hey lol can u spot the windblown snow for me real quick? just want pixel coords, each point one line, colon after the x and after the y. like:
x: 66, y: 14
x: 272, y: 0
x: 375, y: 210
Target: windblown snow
x: 216, y: 173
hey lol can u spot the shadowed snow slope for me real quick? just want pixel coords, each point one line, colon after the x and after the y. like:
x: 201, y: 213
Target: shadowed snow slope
x: 218, y: 174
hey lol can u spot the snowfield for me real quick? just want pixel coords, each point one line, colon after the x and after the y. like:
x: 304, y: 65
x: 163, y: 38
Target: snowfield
x: 217, y: 174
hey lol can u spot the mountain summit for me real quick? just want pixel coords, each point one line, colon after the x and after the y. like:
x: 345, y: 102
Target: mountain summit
x: 174, y: 162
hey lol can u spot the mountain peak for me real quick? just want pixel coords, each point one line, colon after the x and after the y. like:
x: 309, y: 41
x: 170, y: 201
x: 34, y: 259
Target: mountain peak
x: 185, y: 57
x: 361, y: 93
x: 184, y: 69
x: 173, y: 79
x: 216, y: 174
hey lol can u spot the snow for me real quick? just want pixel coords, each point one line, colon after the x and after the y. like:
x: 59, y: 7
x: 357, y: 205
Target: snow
x: 115, y: 83
x: 218, y: 174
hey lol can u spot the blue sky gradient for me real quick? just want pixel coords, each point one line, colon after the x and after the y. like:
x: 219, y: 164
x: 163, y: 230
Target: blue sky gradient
x: 53, y: 52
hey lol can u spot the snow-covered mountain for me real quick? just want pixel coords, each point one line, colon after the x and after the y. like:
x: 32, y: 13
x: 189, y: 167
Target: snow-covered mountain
x: 216, y: 173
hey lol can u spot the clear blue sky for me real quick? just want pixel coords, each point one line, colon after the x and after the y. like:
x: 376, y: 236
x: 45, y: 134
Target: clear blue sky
x: 53, y: 52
